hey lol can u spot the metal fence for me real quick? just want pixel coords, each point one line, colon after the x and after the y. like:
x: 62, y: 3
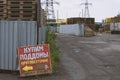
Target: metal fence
x: 53, y: 28
x: 115, y: 26
x: 12, y: 35
x: 74, y: 29
x: 42, y: 34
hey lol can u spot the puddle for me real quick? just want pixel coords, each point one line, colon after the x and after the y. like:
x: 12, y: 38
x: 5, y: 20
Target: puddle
x: 93, y: 42
x: 76, y: 50
x: 108, y: 65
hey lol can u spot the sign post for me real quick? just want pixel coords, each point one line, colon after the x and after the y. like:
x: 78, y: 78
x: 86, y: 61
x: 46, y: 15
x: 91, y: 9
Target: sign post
x: 34, y: 60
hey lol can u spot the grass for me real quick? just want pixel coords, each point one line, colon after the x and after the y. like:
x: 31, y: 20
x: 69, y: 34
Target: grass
x: 51, y: 36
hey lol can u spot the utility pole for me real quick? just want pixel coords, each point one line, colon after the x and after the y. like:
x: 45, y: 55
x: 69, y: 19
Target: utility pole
x: 82, y: 12
x: 39, y: 13
x: 39, y: 17
x: 57, y: 14
x: 79, y: 14
x: 86, y: 10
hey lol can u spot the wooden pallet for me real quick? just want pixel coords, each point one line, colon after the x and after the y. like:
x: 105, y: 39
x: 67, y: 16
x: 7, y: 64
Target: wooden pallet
x: 2, y: 6
x: 20, y: 18
x: 1, y: 13
x: 21, y: 12
x: 3, y: 2
x: 2, y: 18
x: 18, y: 9
x: 21, y: 7
x: 22, y: 15
x: 3, y: 10
x: 21, y: 2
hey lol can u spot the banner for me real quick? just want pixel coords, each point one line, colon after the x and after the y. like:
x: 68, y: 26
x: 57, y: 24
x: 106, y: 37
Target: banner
x: 34, y: 60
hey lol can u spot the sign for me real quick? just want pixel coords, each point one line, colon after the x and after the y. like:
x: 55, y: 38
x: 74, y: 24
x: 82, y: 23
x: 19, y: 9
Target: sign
x: 61, y: 20
x: 34, y: 60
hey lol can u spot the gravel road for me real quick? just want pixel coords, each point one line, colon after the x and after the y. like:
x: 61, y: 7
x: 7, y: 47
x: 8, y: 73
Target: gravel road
x: 83, y: 58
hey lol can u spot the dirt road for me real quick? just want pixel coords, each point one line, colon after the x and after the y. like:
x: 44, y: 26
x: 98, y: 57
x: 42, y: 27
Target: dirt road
x: 90, y: 58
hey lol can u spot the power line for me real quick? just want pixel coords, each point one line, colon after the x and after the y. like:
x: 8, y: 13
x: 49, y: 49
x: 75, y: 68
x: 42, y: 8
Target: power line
x: 49, y: 7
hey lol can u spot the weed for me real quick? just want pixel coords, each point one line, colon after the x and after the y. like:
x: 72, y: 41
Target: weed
x: 51, y: 36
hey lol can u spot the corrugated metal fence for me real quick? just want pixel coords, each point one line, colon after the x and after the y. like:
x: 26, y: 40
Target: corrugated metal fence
x: 42, y: 34
x: 12, y: 35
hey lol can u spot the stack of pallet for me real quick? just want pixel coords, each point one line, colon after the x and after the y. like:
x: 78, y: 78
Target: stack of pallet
x: 115, y: 19
x: 3, y: 9
x: 21, y: 9
x: 80, y: 20
x: 87, y: 21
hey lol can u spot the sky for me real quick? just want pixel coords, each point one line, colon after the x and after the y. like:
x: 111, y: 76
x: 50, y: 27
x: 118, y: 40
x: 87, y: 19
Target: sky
x: 100, y: 9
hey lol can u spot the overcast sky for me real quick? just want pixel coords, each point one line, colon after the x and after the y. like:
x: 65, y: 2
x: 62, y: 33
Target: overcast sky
x: 99, y: 9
